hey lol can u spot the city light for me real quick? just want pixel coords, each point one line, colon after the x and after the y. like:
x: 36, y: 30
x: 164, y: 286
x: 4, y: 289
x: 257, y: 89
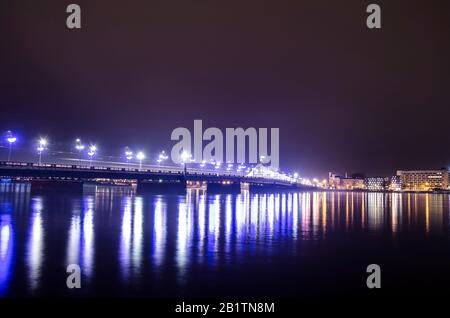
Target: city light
x: 92, y: 150
x: 42, y: 144
x: 11, y: 140
x: 91, y: 153
x: 78, y: 145
x: 128, y: 154
x: 140, y: 156
x: 421, y: 180
x: 162, y: 157
x: 185, y: 156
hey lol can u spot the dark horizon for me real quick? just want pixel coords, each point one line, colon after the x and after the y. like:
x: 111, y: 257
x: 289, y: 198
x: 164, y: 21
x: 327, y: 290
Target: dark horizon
x: 346, y: 98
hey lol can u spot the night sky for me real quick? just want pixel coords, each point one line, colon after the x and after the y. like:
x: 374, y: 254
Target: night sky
x: 345, y: 98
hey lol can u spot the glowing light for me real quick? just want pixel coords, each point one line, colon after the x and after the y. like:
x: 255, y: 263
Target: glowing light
x: 78, y: 145
x: 4, y: 240
x: 128, y: 154
x: 140, y: 156
x: 162, y: 157
x: 92, y: 150
x: 11, y: 140
x: 185, y: 156
x: 42, y: 144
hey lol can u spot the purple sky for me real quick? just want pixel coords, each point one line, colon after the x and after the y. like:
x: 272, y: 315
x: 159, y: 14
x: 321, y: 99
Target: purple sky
x: 345, y: 98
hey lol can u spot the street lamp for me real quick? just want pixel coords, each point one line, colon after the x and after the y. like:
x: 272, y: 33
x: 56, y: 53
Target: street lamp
x: 11, y: 139
x: 140, y: 156
x: 42, y: 144
x: 162, y: 157
x: 79, y: 147
x: 128, y: 155
x: 91, y: 153
x: 185, y: 156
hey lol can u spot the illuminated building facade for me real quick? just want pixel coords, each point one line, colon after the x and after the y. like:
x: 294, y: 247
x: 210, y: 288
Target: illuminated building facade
x: 395, y: 184
x: 345, y: 183
x: 376, y: 183
x: 423, y: 180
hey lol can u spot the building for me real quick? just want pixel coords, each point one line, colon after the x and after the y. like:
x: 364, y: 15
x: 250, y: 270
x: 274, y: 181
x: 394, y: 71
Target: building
x: 345, y: 183
x: 396, y: 184
x: 376, y: 183
x: 424, y: 180
x: 333, y: 180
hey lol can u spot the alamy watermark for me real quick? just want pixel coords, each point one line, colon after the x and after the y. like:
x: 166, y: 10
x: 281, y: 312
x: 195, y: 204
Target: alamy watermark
x: 240, y: 145
x: 74, y: 278
x: 373, y: 20
x: 374, y: 279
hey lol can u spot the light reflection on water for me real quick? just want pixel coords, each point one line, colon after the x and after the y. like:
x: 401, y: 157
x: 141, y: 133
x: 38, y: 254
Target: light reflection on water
x: 6, y: 252
x: 147, y: 236
x: 159, y: 231
x: 35, y: 245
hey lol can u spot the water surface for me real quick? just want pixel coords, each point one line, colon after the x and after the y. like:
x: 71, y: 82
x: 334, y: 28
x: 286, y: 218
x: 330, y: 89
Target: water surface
x: 249, y: 245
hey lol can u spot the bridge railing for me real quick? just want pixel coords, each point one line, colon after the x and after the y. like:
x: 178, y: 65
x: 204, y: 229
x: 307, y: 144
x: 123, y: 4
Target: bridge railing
x: 154, y: 169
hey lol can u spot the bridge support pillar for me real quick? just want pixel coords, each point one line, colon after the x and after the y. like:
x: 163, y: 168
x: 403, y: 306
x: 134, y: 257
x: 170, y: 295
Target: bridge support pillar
x: 46, y: 186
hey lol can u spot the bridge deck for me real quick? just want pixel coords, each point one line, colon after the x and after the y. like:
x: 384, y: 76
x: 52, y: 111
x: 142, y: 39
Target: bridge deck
x: 82, y: 172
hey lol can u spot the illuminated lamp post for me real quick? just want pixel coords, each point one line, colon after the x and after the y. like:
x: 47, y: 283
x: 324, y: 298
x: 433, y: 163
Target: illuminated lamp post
x: 42, y: 144
x: 140, y: 156
x: 79, y: 147
x: 11, y: 139
x: 162, y: 157
x: 185, y: 156
x: 91, y: 153
x: 128, y: 155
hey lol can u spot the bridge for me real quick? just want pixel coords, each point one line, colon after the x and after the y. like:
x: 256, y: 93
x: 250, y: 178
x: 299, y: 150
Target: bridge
x: 72, y: 177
